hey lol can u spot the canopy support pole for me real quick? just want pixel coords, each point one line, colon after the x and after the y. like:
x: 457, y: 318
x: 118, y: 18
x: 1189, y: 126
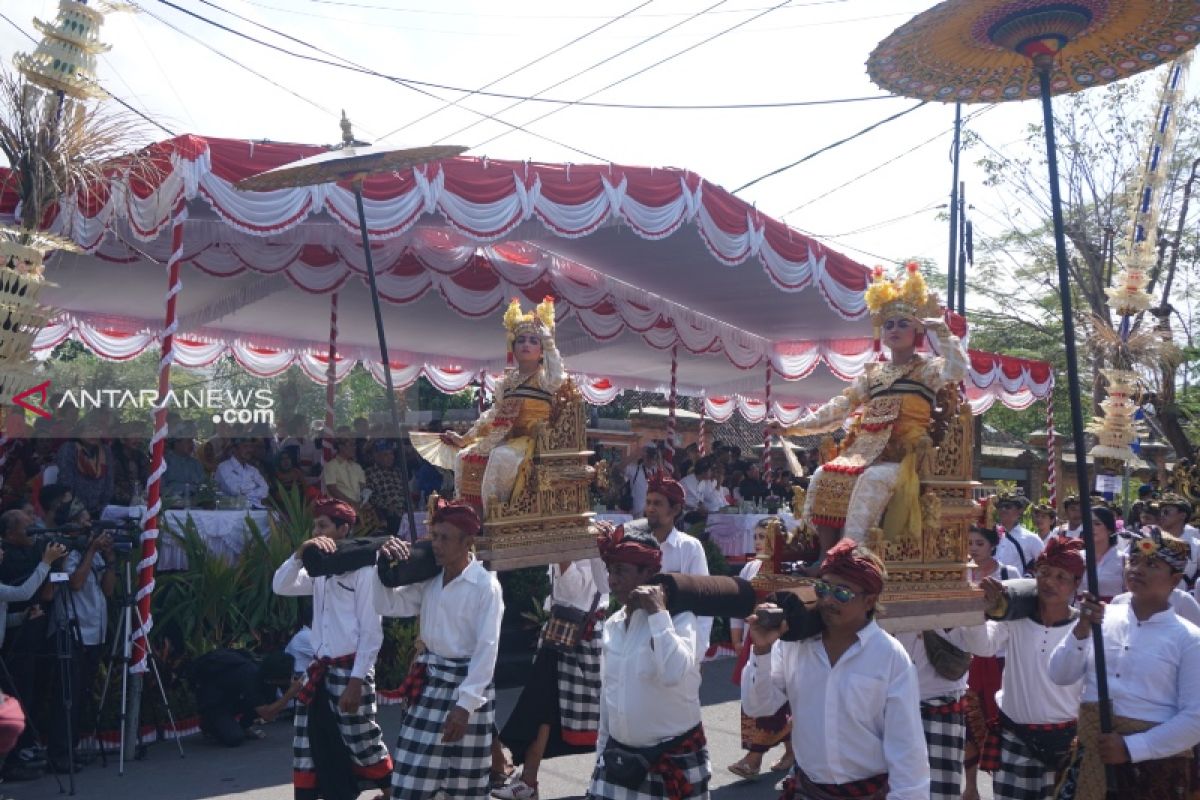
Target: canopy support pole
x: 327, y: 448
x: 672, y: 401
x: 389, y: 387
x: 1051, y: 451
x: 766, y: 454
x: 955, y: 155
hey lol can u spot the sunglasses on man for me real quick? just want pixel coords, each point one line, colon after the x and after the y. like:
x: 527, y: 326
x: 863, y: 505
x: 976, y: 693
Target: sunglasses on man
x: 840, y: 593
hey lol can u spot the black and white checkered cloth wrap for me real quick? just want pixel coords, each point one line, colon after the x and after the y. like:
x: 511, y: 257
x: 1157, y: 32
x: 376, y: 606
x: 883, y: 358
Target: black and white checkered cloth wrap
x: 579, y: 687
x: 424, y: 764
x: 945, y: 738
x: 359, y: 731
x: 1020, y: 776
x: 695, y: 766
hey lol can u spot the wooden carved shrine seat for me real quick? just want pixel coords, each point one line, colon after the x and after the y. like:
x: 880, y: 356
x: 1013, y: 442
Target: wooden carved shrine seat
x: 548, y: 520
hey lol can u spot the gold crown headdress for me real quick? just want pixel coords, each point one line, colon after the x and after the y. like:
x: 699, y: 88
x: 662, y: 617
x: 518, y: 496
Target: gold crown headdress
x: 910, y: 297
x: 532, y: 322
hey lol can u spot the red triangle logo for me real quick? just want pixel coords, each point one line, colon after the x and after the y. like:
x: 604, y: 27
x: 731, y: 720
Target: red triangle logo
x: 42, y: 392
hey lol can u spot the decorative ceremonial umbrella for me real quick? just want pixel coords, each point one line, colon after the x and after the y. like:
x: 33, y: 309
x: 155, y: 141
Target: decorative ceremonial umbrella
x: 353, y: 163
x: 988, y: 51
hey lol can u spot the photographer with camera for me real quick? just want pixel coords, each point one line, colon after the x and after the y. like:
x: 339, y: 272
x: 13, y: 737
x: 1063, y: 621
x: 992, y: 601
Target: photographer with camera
x: 12, y: 714
x: 25, y: 645
x: 79, y: 620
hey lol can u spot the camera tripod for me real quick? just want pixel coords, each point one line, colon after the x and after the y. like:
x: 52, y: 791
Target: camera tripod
x: 124, y: 641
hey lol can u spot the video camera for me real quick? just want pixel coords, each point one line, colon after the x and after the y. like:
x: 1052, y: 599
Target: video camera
x: 125, y: 534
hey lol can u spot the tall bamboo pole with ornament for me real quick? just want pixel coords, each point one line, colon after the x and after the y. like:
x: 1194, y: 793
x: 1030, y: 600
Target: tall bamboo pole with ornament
x: 59, y: 136
x: 1127, y: 345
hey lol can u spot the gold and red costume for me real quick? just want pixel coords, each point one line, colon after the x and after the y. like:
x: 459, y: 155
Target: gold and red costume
x: 890, y: 406
x: 494, y: 461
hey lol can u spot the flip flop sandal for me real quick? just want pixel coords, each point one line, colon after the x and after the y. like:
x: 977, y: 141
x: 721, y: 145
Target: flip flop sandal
x: 744, y: 770
x: 783, y: 764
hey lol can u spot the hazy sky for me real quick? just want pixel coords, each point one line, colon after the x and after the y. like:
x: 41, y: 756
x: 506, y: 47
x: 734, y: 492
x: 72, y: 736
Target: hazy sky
x: 805, y: 50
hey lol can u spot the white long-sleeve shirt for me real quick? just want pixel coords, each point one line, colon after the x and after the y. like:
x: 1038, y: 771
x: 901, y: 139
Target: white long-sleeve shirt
x: 682, y: 552
x: 650, y: 678
x: 460, y: 619
x: 929, y: 682
x: 1031, y: 547
x: 700, y: 494
x: 1153, y: 676
x: 855, y: 719
x: 1027, y: 695
x: 235, y: 479
x: 20, y: 592
x: 1184, y: 604
x: 576, y: 586
x: 344, y: 616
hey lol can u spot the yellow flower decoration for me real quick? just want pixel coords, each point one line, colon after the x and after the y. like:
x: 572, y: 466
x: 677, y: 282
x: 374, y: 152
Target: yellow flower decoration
x: 1147, y: 546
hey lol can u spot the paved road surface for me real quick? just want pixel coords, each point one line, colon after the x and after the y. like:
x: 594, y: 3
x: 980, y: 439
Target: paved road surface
x: 262, y: 770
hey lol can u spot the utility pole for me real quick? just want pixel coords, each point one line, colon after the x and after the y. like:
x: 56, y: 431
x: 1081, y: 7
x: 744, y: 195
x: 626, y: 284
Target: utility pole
x: 954, y: 157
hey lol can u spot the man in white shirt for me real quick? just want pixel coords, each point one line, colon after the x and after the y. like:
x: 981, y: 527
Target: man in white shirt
x: 346, y: 637
x: 650, y: 686
x: 1173, y: 515
x: 1020, y: 546
x: 1073, y: 527
x: 700, y: 490
x: 640, y: 474
x: 1152, y: 661
x: 681, y: 552
x: 1037, y: 715
x: 943, y: 710
x: 237, y: 477
x: 852, y: 688
x: 446, y: 731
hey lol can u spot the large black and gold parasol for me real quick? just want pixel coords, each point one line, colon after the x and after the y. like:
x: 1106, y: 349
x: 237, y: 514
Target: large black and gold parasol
x: 989, y: 51
x: 352, y: 163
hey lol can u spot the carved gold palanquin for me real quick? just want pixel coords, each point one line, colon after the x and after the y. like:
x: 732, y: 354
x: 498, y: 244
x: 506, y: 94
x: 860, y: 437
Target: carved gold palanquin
x: 547, y: 520
x: 927, y: 582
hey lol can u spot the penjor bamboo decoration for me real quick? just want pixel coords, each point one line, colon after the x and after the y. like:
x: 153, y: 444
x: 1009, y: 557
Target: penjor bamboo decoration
x: 1127, y: 296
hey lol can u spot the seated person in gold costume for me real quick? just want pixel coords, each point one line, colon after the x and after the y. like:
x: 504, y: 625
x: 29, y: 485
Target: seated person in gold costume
x: 874, y: 477
x: 494, y: 455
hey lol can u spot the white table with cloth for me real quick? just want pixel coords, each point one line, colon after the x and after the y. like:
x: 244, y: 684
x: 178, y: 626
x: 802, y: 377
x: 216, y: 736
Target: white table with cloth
x: 734, y: 533
x: 224, y: 531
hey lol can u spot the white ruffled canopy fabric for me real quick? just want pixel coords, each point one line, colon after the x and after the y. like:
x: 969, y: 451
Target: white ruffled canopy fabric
x: 641, y: 261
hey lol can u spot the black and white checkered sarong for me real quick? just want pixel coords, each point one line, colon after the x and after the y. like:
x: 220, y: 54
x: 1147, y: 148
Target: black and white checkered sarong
x: 695, y: 767
x: 1021, y: 776
x: 359, y: 731
x: 945, y: 738
x: 579, y: 688
x: 424, y: 764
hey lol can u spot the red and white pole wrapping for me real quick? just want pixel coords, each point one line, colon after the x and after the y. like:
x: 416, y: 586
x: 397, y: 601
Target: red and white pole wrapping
x: 702, y: 434
x: 766, y: 453
x: 158, y: 443
x: 327, y: 450
x: 672, y: 401
x: 1051, y: 452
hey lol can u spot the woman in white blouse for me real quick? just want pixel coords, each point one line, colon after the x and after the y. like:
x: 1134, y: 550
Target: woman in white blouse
x: 759, y: 734
x: 1110, y: 555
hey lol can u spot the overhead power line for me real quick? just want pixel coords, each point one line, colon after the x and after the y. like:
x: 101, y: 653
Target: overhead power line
x: 443, y: 13
x: 522, y: 68
x: 350, y: 66
x: 343, y: 64
x: 829, y: 147
x: 597, y: 64
x: 883, y: 164
x: 646, y: 69
x: 128, y: 106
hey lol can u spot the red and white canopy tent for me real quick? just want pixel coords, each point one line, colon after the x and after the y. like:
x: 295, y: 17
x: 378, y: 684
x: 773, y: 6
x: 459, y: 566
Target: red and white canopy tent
x: 657, y: 273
